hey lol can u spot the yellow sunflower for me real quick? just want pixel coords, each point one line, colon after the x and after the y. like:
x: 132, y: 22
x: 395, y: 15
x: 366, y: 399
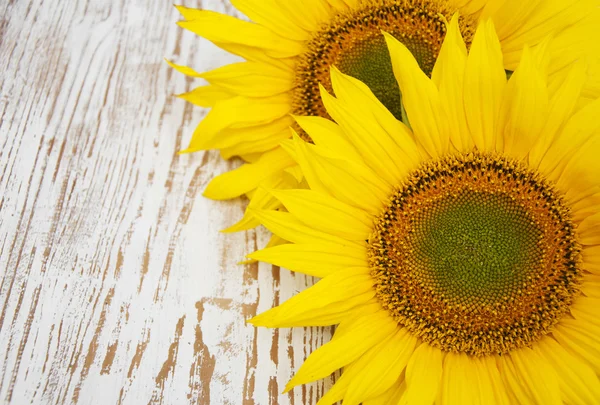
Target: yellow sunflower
x: 290, y: 45
x: 459, y: 256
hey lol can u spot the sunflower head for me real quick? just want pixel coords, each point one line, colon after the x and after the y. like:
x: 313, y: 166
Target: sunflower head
x: 475, y: 254
x: 289, y: 47
x: 464, y: 248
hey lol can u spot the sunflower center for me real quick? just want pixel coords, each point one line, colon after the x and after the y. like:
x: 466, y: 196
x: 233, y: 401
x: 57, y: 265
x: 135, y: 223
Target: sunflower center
x: 353, y: 42
x: 476, y: 254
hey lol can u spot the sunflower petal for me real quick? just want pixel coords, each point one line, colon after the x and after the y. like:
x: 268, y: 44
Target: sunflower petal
x: 582, y: 345
x: 424, y: 375
x: 238, y: 140
x: 421, y: 99
x: 512, y: 14
x: 589, y: 230
x: 389, y: 148
x: 391, y: 396
x: 288, y: 227
x: 268, y: 13
x: 490, y: 380
x: 251, y: 79
x: 237, y: 112
x: 524, y: 110
x: 224, y: 31
x: 457, y: 380
x: 562, y: 106
x: 578, y: 131
x: 325, y: 303
x: 247, y: 177
x: 206, y: 96
x: 362, y: 334
x: 578, y: 383
x: 310, y: 16
x: 329, y: 135
x: 537, y: 376
x: 263, y: 200
x: 581, y: 174
x: 448, y: 75
x: 348, y: 181
x: 327, y: 214
x: 317, y: 260
x: 485, y: 80
x: 383, y: 370
x: 591, y: 259
x: 514, y: 388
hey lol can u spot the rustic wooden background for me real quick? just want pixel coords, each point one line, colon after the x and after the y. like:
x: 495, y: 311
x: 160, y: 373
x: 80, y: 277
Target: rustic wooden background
x: 116, y: 286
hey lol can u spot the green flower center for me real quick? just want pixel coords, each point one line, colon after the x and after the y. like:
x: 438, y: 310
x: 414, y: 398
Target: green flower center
x: 476, y: 247
x: 353, y: 42
x: 475, y: 254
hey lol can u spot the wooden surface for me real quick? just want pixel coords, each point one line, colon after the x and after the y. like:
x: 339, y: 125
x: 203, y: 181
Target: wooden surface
x: 116, y: 285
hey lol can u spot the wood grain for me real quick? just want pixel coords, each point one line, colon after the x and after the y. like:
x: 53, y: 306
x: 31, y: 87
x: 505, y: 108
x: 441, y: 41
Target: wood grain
x: 117, y: 287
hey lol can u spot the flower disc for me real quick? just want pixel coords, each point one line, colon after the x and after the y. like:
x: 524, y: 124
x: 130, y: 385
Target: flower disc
x: 476, y: 254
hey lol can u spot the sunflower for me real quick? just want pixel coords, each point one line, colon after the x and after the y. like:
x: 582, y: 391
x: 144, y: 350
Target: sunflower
x: 460, y: 256
x: 290, y: 45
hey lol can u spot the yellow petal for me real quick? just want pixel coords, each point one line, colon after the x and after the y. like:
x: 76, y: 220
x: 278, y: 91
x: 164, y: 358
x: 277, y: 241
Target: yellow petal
x: 421, y: 100
x: 544, y: 18
x: 490, y: 382
x: 329, y: 135
x: 448, y: 75
x: 288, y: 227
x: 251, y: 79
x: 339, y: 389
x: 471, y: 380
x: 252, y: 151
x: 424, y: 375
x: 225, y: 31
x: 589, y: 205
x: 580, y: 343
x: 579, y: 42
x: 247, y: 177
x: 388, y: 148
x: 363, y: 333
x: 537, y: 376
x: 578, y: 130
x: 263, y: 200
x: 391, y: 396
x: 325, y: 303
x: 269, y: 14
x: 578, y: 382
x: 188, y: 71
x: 586, y: 308
x: 485, y: 80
x: 511, y: 15
x: 473, y: 6
x: 239, y: 139
x: 580, y: 178
x: 562, y: 106
x: 317, y: 260
x: 348, y: 181
x: 383, y: 370
x: 589, y: 230
x: 524, y: 109
x: 515, y: 389
x: 206, y: 96
x: 591, y: 258
x: 310, y: 16
x: 327, y: 214
x: 237, y: 112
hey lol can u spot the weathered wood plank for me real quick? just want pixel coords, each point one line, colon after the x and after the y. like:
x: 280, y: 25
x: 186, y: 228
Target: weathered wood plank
x: 116, y: 286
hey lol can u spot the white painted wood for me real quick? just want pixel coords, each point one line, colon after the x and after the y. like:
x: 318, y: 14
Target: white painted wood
x: 116, y: 286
